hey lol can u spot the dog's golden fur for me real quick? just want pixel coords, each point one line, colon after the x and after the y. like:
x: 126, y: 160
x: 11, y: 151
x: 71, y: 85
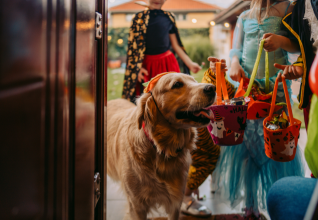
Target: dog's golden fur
x: 150, y: 175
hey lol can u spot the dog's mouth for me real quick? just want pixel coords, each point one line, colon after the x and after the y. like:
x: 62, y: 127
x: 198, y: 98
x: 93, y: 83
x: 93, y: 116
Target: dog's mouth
x: 201, y: 116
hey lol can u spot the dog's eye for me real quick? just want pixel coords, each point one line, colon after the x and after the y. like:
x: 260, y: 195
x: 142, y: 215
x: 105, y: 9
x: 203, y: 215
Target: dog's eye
x: 177, y: 85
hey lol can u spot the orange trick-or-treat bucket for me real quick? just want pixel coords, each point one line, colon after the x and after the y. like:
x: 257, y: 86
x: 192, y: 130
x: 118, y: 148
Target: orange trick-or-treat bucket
x: 259, y: 104
x: 281, y: 144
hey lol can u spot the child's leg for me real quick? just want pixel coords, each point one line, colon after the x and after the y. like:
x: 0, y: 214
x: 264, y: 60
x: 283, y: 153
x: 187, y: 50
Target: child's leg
x: 306, y: 113
x: 251, y: 204
x: 204, y: 159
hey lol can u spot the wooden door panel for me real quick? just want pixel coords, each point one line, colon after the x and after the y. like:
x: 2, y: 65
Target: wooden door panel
x: 22, y: 152
x: 51, y: 98
x: 22, y: 39
x: 85, y: 109
x: 62, y: 117
x: 22, y: 109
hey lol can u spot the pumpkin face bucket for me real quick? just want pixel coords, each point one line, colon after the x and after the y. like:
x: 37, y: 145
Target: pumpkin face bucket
x: 258, y: 109
x: 281, y: 144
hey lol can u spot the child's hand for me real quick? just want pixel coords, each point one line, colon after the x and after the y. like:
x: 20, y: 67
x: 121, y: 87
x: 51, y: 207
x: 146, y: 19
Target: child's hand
x: 290, y: 71
x: 272, y: 42
x: 213, y: 60
x: 194, y: 67
x: 236, y: 72
x: 141, y: 74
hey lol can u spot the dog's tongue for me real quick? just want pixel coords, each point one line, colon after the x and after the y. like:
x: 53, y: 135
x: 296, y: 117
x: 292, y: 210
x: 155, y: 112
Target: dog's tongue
x: 204, y: 113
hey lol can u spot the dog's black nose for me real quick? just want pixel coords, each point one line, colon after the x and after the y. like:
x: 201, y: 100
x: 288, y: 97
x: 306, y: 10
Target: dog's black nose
x: 209, y: 90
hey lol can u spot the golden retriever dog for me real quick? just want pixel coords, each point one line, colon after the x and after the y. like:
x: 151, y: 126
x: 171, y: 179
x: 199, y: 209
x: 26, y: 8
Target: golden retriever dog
x: 149, y: 145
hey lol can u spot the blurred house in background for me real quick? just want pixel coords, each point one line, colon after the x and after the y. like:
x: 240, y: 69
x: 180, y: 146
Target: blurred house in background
x: 193, y: 21
x: 224, y: 25
x: 188, y: 13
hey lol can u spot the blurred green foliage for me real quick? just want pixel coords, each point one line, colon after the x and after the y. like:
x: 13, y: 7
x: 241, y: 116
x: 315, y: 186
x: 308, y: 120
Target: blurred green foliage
x: 184, y: 33
x: 117, y: 50
x: 199, y: 48
x: 115, y: 80
x: 196, y: 42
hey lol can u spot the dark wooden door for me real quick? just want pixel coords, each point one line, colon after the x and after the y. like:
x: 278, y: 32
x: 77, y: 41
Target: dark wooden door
x: 51, y: 109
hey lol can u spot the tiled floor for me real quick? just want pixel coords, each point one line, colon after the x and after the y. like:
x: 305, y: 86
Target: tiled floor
x: 117, y: 204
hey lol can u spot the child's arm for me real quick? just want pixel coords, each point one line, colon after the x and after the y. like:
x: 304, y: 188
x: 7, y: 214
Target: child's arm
x: 236, y: 71
x: 194, y: 67
x: 274, y: 41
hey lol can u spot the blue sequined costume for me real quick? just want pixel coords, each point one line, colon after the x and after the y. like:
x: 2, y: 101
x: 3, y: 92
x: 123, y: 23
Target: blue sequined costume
x: 244, y: 172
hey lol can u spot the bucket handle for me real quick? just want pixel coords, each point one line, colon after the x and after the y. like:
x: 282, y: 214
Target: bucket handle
x: 290, y: 112
x: 258, y: 58
x: 220, y: 85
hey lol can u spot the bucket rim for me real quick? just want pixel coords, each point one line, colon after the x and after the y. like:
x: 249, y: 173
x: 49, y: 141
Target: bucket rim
x: 297, y: 122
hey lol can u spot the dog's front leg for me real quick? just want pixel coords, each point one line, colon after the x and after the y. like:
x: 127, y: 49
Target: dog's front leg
x: 137, y: 212
x: 175, y: 214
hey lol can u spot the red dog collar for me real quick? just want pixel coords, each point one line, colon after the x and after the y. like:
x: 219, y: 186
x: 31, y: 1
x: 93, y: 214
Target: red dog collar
x: 146, y: 133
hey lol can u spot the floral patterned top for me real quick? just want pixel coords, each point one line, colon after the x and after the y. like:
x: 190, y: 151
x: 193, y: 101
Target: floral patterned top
x: 136, y: 51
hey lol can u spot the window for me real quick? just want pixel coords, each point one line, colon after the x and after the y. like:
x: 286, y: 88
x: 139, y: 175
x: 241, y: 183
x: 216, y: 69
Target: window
x: 181, y: 17
x: 129, y: 17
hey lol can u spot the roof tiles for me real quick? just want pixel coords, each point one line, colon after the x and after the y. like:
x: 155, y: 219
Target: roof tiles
x: 170, y: 5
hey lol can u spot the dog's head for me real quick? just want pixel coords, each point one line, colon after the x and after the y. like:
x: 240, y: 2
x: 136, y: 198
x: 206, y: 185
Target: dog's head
x: 180, y: 100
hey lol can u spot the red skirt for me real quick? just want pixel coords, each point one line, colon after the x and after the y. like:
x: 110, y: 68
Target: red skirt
x: 156, y: 64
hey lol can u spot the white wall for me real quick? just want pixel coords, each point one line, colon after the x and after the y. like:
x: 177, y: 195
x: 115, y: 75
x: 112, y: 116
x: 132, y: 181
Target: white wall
x: 221, y: 40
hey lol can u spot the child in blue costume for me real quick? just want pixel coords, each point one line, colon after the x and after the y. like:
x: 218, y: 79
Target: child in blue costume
x: 244, y: 172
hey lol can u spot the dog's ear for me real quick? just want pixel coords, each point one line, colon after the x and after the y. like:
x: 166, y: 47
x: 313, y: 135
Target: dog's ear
x: 141, y: 108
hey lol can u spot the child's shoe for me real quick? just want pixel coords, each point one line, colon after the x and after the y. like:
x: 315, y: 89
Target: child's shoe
x: 250, y: 215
